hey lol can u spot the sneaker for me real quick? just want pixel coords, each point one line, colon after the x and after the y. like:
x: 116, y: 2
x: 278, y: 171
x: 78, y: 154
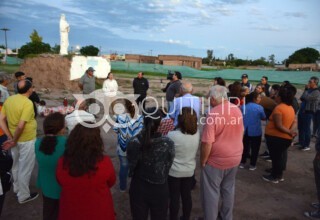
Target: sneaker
x: 268, y: 159
x: 32, y: 196
x: 270, y: 178
x: 252, y: 168
x: 313, y: 214
x: 241, y: 166
x: 315, y: 205
x: 264, y: 155
x: 281, y: 179
x: 305, y: 148
x: 296, y: 144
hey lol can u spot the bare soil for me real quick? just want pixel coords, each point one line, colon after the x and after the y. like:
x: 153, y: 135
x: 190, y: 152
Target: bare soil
x: 254, y: 198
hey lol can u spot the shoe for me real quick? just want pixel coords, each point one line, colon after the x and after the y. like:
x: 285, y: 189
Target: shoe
x: 313, y: 214
x: 315, y: 205
x: 281, y: 179
x: 269, y: 170
x: 32, y: 196
x: 252, y: 168
x: 268, y: 159
x: 264, y: 155
x: 270, y: 178
x: 241, y: 166
x: 305, y: 148
x: 296, y: 144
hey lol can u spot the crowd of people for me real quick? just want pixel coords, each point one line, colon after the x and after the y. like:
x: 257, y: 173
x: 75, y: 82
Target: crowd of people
x: 156, y: 146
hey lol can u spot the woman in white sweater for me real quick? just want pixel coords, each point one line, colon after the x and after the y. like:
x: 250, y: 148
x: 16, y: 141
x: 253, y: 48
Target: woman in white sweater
x: 110, y: 85
x: 186, y: 142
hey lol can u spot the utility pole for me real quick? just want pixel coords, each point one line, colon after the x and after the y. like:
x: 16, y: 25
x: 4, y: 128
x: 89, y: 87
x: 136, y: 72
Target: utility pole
x: 5, y: 38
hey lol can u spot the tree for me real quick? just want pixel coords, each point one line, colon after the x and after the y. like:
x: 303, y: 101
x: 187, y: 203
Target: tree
x: 35, y: 38
x: 272, y: 60
x: 89, y: 51
x: 2, y: 46
x: 208, y: 60
x: 34, y: 48
x: 55, y: 49
x: 230, y: 57
x: 305, y: 55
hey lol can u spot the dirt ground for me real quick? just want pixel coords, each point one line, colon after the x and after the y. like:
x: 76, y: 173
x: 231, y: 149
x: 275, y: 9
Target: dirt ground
x: 254, y: 198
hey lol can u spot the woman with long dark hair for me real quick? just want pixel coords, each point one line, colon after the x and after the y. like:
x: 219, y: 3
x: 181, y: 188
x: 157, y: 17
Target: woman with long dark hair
x: 48, y: 150
x: 279, y: 133
x: 150, y: 157
x: 186, y: 142
x: 85, y: 176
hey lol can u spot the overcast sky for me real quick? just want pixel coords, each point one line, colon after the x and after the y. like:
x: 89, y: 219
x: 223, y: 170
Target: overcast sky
x: 247, y: 28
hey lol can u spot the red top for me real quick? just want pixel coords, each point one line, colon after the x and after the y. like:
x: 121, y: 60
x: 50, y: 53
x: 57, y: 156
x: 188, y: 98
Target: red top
x: 87, y: 197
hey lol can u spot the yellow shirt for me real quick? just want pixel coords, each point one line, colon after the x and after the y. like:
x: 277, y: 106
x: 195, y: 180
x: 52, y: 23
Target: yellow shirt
x: 19, y: 108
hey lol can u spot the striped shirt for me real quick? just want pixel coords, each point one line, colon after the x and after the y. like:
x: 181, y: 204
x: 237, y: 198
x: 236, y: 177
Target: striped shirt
x: 126, y: 127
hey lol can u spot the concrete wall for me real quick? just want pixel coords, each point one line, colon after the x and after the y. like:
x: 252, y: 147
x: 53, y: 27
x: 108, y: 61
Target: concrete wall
x: 304, y: 66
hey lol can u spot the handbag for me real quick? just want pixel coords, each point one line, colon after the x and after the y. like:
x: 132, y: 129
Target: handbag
x: 6, y: 162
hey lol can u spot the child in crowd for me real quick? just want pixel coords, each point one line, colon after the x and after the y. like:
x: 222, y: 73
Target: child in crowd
x: 253, y: 113
x: 48, y: 150
x: 166, y: 123
x: 126, y: 126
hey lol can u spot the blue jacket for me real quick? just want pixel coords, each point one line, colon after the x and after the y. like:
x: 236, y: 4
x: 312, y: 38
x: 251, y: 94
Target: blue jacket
x: 252, y: 116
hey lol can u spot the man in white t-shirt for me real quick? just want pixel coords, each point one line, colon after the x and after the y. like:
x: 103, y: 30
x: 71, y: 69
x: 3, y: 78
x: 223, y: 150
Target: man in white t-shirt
x: 79, y: 115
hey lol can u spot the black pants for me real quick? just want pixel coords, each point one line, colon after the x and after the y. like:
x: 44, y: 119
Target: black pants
x: 2, y: 197
x: 145, y: 196
x: 50, y: 208
x: 253, y: 144
x: 180, y: 187
x: 278, y: 152
x: 140, y: 99
x: 316, y: 168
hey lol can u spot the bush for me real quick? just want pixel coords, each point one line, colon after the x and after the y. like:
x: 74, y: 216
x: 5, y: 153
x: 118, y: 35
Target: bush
x: 34, y: 48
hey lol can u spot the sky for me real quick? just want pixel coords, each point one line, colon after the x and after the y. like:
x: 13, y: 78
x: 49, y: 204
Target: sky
x: 249, y: 29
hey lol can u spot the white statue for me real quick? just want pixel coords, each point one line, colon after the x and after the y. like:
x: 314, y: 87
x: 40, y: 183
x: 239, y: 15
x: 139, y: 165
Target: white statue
x: 64, y: 30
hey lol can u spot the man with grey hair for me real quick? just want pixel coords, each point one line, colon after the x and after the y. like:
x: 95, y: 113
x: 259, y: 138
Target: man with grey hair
x: 4, y: 81
x: 220, y: 154
x: 309, y: 106
x: 186, y: 100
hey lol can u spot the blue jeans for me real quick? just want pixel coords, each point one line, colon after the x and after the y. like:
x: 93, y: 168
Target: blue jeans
x: 304, y: 127
x: 123, y: 173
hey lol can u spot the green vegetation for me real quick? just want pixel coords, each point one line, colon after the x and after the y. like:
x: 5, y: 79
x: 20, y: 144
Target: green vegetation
x: 36, y: 46
x: 305, y: 55
x: 9, y: 68
x: 89, y: 51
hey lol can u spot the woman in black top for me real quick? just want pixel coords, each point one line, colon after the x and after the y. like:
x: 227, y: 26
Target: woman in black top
x: 150, y: 157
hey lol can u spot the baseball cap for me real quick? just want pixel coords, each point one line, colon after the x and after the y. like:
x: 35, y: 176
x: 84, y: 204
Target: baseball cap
x: 91, y: 69
x: 244, y: 76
